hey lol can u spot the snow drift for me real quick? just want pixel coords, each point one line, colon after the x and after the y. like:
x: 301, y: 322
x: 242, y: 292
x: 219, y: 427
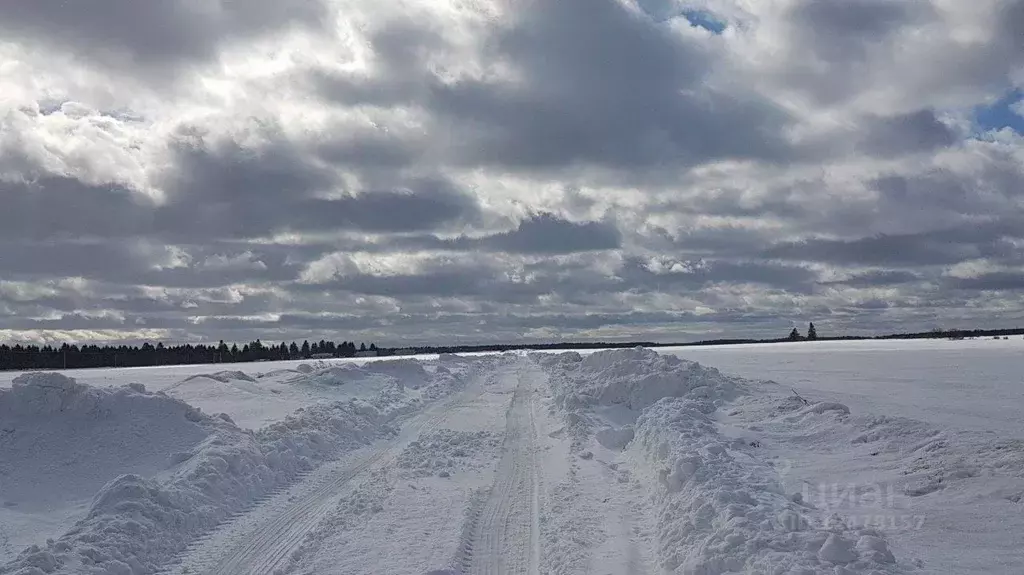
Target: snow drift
x: 603, y: 393
x: 721, y: 509
x: 403, y: 372
x: 60, y: 441
x: 198, y: 471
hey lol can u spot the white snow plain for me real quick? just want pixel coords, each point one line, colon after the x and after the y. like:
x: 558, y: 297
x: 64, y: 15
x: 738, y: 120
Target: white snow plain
x: 889, y: 457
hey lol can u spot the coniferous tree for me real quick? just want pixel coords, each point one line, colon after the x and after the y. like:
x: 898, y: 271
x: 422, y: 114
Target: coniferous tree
x: 794, y: 335
x: 812, y: 334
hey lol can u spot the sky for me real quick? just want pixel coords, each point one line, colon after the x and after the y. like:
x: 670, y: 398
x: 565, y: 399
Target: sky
x: 475, y: 171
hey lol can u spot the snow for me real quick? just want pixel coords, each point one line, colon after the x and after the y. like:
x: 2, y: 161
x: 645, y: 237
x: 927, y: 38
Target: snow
x: 859, y: 458
x: 445, y: 451
x: 61, y: 442
x: 719, y: 508
x: 257, y: 394
x: 935, y: 432
x: 207, y: 470
x: 969, y: 384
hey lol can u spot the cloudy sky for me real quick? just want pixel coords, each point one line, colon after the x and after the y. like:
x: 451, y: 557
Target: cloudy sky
x: 438, y: 171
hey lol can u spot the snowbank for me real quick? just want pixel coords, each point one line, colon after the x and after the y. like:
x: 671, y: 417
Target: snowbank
x: 61, y: 441
x: 405, y: 372
x: 724, y: 510
x: 254, y: 401
x: 721, y: 509
x: 632, y: 378
x: 603, y: 393
x: 223, y: 376
x: 136, y: 523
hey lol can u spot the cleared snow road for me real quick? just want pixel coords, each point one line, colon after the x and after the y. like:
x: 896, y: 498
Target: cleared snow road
x: 534, y: 476
x: 506, y: 538
x: 282, y: 524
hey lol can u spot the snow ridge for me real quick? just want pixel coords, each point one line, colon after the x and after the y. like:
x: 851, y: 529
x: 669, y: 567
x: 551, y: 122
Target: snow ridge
x: 136, y: 524
x: 720, y: 509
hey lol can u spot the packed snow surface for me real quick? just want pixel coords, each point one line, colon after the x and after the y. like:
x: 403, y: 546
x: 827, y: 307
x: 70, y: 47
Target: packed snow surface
x: 620, y: 462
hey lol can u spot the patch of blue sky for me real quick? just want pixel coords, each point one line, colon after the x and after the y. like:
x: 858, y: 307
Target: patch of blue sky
x: 1007, y: 112
x: 706, y: 20
x: 664, y: 10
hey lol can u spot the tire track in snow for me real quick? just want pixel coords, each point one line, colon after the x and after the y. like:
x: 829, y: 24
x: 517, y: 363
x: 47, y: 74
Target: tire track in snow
x: 269, y: 547
x: 506, y: 538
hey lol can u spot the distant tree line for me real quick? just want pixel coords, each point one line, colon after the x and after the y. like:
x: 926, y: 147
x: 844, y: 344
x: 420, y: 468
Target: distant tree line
x: 19, y: 357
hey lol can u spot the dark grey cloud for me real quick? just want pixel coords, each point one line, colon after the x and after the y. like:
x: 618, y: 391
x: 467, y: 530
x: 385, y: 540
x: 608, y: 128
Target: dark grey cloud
x: 992, y: 281
x: 734, y: 203
x: 548, y: 234
x: 71, y: 321
x: 994, y: 191
x: 597, y: 85
x: 1011, y: 22
x: 400, y: 50
x: 704, y: 273
x: 843, y: 29
x: 46, y: 207
x: 941, y: 247
x: 874, y: 304
x: 878, y: 278
x: 841, y: 49
x: 728, y: 241
x: 919, y: 131
x: 876, y: 250
x: 226, y: 190
x: 565, y: 281
x: 447, y: 281
x: 144, y: 35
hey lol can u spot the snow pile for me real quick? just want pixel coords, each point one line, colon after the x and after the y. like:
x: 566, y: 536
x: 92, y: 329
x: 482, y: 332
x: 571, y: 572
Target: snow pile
x: 724, y: 511
x: 406, y: 372
x: 444, y: 451
x: 603, y: 393
x: 632, y: 378
x: 223, y: 376
x: 251, y: 403
x: 61, y: 441
x: 721, y: 508
x: 410, y: 372
x: 135, y: 523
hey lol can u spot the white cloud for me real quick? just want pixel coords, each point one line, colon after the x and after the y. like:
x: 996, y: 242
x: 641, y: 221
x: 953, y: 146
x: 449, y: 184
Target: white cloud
x: 238, y: 262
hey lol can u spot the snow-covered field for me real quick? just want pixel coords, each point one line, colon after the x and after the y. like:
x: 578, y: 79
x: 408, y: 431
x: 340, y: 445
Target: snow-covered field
x: 889, y: 457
